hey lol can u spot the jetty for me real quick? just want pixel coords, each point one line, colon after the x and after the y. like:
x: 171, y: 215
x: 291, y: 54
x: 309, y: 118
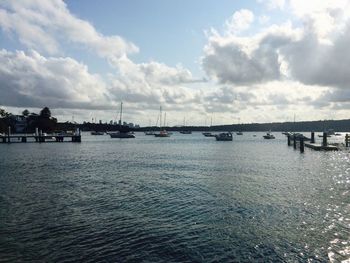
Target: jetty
x: 40, y: 137
x: 323, y: 146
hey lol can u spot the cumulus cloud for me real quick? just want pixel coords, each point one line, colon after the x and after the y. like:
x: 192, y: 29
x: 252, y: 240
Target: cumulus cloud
x: 45, y: 24
x: 31, y: 80
x: 239, y: 21
x: 273, y: 4
x: 299, y: 53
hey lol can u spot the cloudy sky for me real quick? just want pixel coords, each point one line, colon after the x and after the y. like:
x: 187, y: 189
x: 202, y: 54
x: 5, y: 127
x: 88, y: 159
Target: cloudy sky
x: 232, y: 61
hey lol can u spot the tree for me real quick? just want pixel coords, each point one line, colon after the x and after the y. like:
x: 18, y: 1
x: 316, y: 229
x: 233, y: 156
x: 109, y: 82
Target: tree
x: 3, y: 113
x: 45, y: 112
x: 25, y: 112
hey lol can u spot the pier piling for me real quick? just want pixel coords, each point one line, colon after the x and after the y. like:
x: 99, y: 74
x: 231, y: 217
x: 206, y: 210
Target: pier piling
x: 288, y: 137
x: 294, y: 142
x: 347, y: 140
x: 324, y: 141
x: 302, y: 144
x: 312, y: 137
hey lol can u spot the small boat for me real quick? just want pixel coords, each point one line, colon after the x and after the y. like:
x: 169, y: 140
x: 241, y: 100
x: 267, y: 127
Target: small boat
x: 208, y: 134
x: 186, y: 132
x: 163, y: 133
x: 239, y: 133
x: 121, y: 135
x: 269, y: 136
x: 225, y: 136
x: 97, y: 133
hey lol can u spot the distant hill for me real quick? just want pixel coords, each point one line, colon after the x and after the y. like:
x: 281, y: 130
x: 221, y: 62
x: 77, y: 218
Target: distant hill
x: 317, y: 126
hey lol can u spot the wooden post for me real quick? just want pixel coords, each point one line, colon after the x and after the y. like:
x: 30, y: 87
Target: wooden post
x: 324, y: 142
x: 288, y: 138
x: 302, y: 144
x: 347, y: 140
x: 294, y: 141
x: 312, y: 137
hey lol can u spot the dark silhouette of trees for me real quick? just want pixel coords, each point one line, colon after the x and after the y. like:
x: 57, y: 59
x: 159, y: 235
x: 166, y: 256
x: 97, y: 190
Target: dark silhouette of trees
x: 25, y: 113
x: 45, y: 112
x: 4, y: 113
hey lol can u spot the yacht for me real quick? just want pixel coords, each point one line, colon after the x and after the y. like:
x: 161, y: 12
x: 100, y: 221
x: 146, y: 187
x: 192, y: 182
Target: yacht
x: 225, y: 136
x: 208, y: 134
x: 97, y: 133
x: 269, y: 136
x: 239, y: 133
x: 186, y: 132
x: 163, y: 133
x: 121, y: 135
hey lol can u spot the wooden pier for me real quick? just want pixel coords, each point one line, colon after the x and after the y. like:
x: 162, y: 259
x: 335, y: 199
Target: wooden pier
x: 323, y: 146
x: 40, y: 137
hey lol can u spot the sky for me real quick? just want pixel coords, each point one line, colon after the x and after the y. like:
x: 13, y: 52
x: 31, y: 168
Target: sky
x: 226, y: 61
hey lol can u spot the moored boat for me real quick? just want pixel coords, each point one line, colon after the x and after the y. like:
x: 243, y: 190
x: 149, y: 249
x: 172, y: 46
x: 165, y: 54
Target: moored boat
x: 225, y: 136
x: 163, y: 133
x: 97, y: 133
x: 121, y: 135
x: 208, y: 134
x: 269, y: 136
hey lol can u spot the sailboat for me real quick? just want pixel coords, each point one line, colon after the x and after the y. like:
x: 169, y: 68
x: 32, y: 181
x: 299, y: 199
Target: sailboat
x: 185, y: 131
x: 162, y: 133
x: 121, y: 134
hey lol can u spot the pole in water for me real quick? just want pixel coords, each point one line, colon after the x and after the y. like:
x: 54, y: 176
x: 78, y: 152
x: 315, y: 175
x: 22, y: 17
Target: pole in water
x: 347, y: 140
x: 302, y: 144
x: 288, y: 138
x: 324, y: 142
x: 312, y: 137
x: 294, y: 142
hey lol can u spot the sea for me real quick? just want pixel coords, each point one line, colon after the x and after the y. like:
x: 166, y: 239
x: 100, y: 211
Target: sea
x: 186, y: 198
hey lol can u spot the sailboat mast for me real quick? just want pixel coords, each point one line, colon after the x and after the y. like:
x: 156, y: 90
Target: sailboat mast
x: 164, y: 119
x: 121, y: 112
x: 160, y: 117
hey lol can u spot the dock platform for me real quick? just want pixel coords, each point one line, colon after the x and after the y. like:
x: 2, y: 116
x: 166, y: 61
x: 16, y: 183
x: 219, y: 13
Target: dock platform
x: 40, y: 138
x: 320, y: 147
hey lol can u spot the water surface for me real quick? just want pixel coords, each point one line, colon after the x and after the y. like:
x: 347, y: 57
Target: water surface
x: 186, y: 198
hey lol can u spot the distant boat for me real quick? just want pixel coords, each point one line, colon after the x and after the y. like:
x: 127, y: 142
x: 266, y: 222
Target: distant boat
x: 239, y: 133
x: 225, y: 136
x: 208, y: 134
x: 269, y: 136
x: 97, y: 133
x: 149, y: 133
x: 121, y: 134
x: 162, y: 133
x: 186, y: 132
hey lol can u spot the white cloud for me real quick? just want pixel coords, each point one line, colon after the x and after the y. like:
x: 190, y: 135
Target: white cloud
x: 45, y: 24
x: 239, y: 21
x: 32, y: 80
x: 273, y: 4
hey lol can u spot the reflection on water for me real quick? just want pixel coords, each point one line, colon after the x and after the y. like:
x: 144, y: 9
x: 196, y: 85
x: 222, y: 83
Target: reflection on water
x: 180, y: 199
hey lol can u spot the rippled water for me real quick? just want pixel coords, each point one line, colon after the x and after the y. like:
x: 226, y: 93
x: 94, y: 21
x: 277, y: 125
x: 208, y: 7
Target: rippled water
x: 186, y: 198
